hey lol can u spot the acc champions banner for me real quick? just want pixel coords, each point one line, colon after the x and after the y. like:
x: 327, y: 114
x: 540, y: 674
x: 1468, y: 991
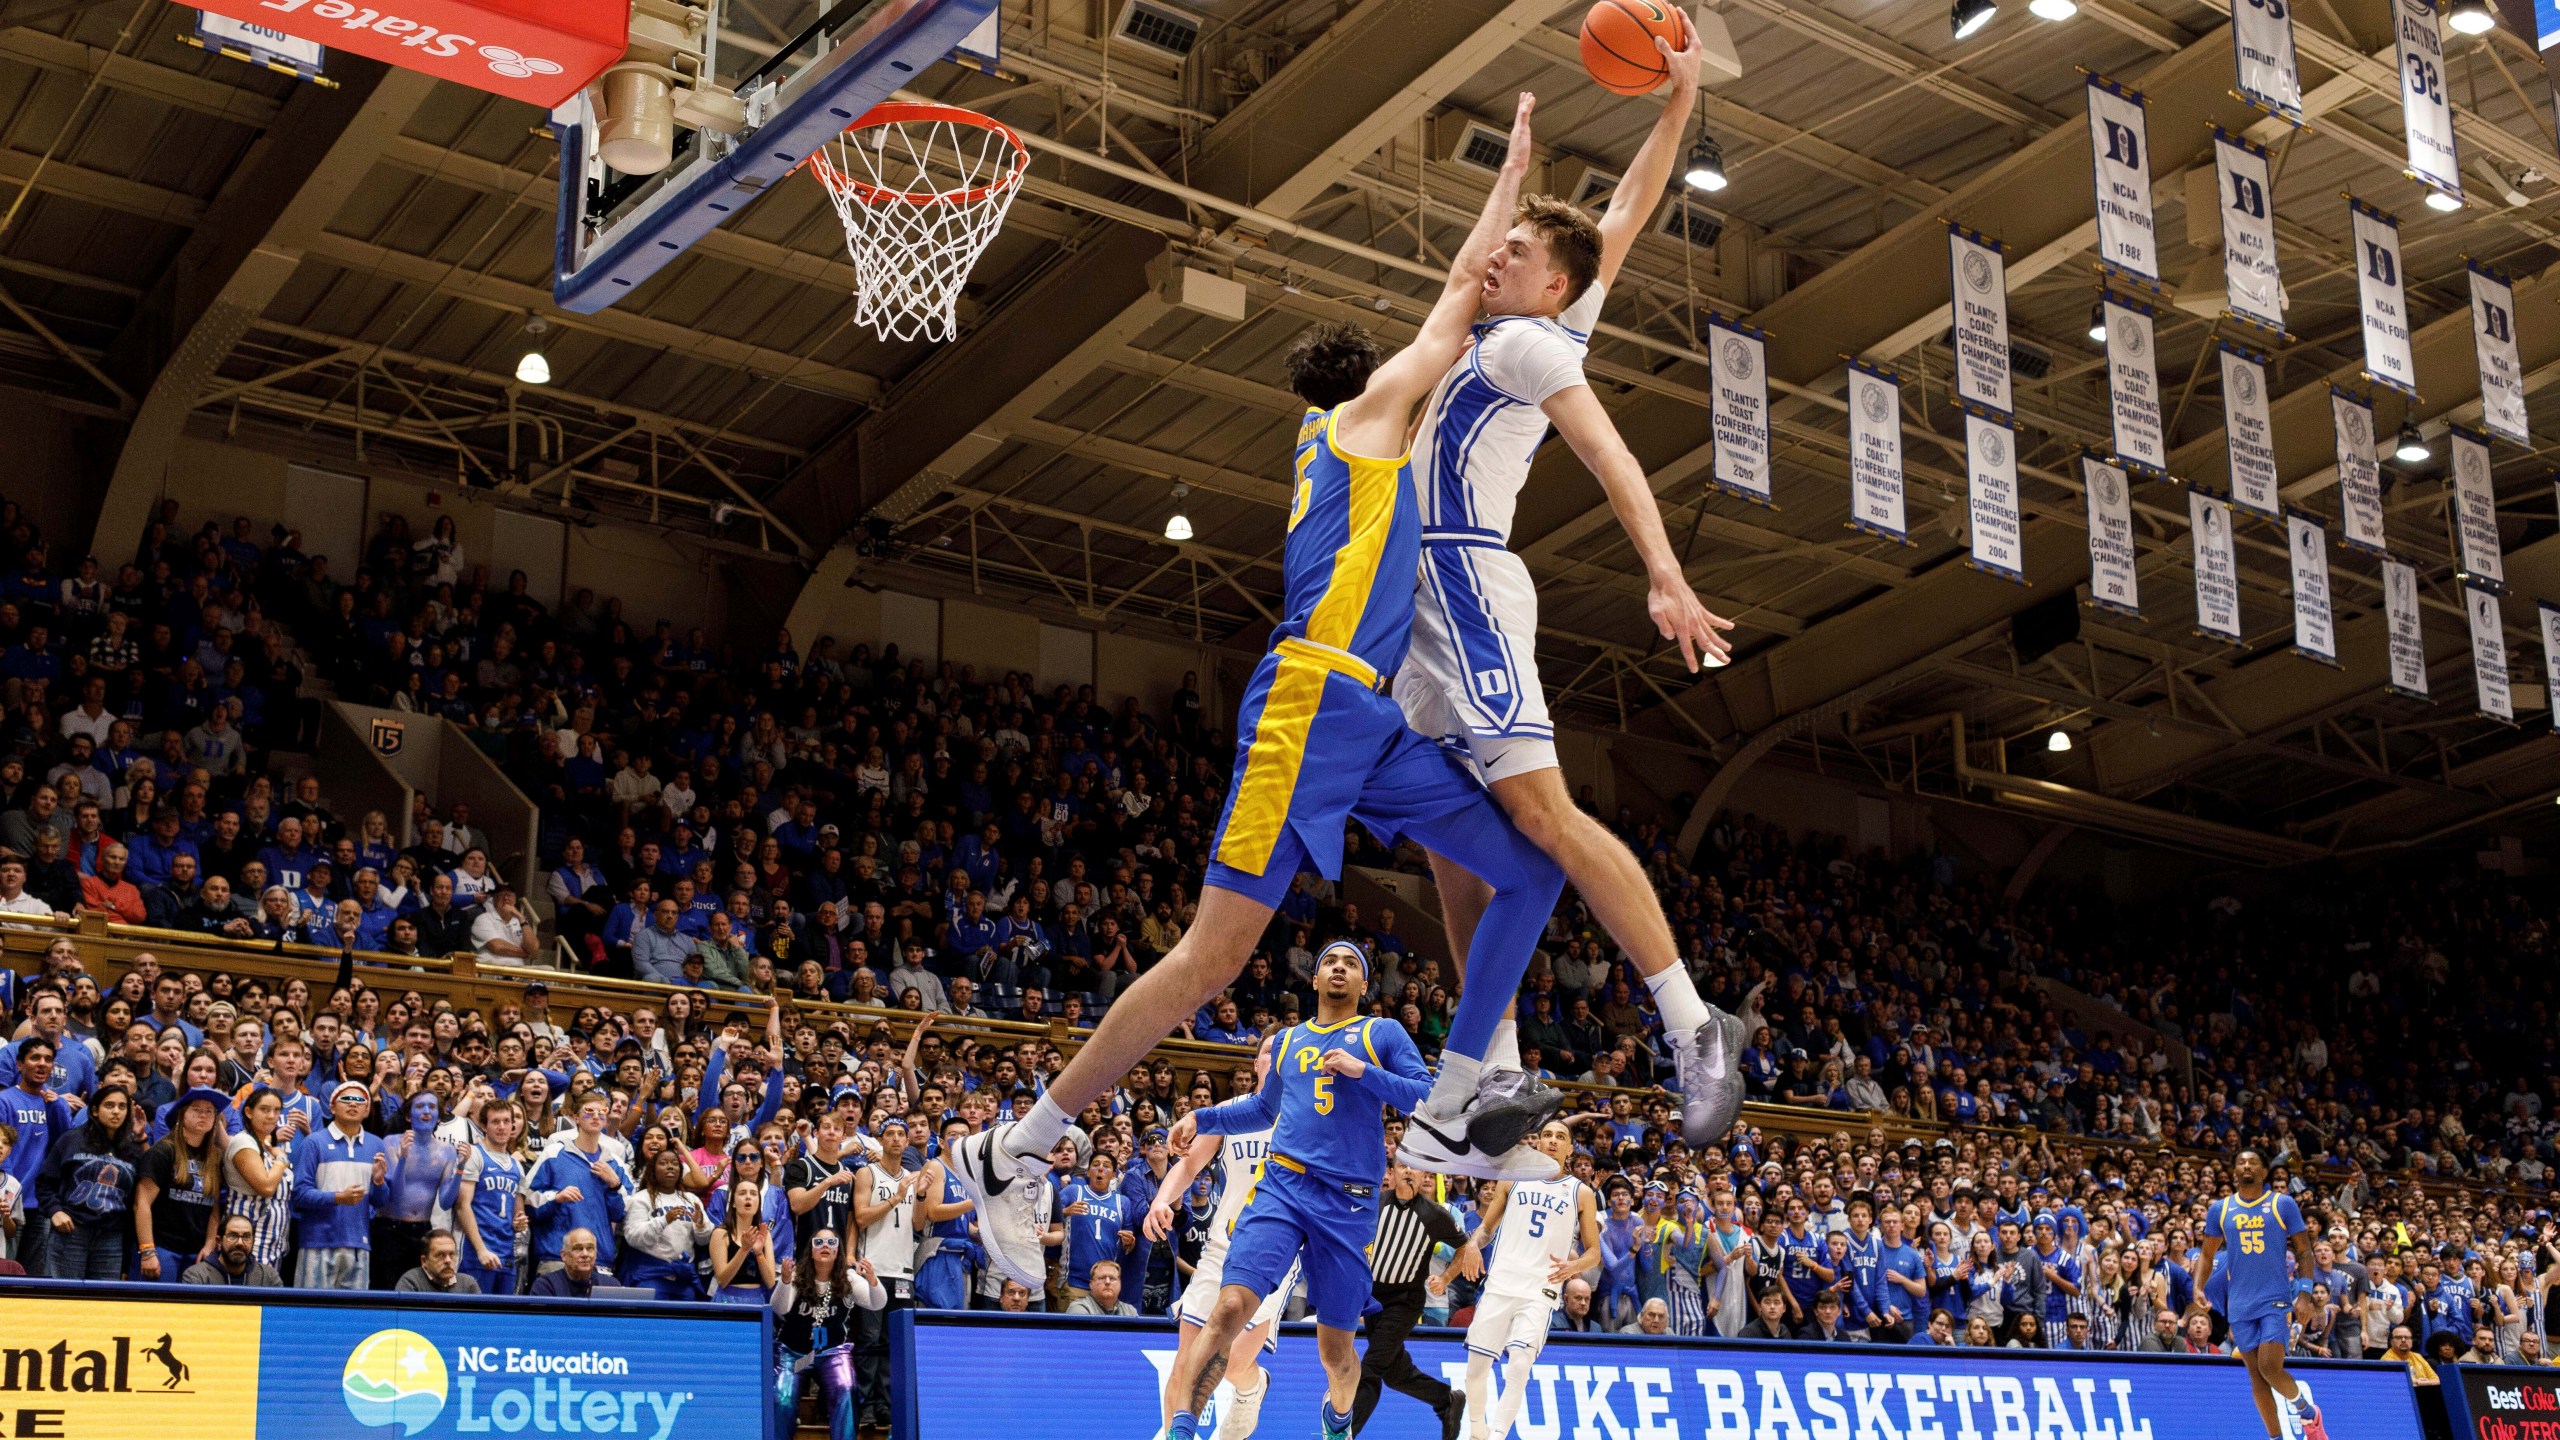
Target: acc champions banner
x: 1044, y: 1378
x: 96, y: 1369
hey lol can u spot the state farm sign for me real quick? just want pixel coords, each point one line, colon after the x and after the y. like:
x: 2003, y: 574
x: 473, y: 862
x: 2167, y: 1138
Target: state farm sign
x: 538, y: 51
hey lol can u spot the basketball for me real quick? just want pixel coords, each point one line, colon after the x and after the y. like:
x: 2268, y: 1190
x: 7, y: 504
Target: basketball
x: 1617, y: 43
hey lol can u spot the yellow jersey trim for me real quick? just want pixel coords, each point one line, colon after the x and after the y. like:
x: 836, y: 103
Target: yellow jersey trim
x: 1313, y: 1028
x: 1271, y: 766
x: 1371, y: 486
x: 1366, y: 1043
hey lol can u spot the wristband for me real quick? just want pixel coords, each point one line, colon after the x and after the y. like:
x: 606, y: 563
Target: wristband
x: 2301, y: 1288
x: 148, y: 1250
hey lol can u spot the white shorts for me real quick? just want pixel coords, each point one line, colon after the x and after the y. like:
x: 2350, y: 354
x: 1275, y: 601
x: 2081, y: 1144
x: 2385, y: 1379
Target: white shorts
x: 1471, y: 679
x: 1209, y: 1277
x: 1511, y: 1322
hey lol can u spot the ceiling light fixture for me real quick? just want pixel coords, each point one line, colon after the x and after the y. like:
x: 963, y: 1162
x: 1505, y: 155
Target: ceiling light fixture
x: 2058, y: 742
x: 2471, y: 17
x: 1706, y: 164
x: 2444, y: 201
x: 1969, y: 16
x: 533, y: 369
x: 2411, y: 448
x: 2052, y: 9
x: 2098, y: 322
x: 1177, y: 526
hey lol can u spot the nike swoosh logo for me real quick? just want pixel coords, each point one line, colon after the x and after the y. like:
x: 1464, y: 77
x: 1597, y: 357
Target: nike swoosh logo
x: 1459, y: 1146
x: 1715, y: 1053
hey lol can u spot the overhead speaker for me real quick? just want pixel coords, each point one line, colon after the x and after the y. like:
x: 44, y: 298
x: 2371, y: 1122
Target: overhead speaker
x: 2045, y: 626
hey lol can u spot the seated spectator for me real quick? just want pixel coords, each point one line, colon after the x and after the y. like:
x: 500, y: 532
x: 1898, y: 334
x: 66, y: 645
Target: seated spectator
x: 577, y: 1276
x: 234, y: 1260
x: 438, y: 1269
x: 1102, y: 1293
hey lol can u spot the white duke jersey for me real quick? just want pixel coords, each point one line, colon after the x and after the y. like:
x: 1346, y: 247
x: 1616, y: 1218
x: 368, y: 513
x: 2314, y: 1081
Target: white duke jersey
x: 1541, y: 1225
x: 1241, y: 1157
x: 1483, y: 426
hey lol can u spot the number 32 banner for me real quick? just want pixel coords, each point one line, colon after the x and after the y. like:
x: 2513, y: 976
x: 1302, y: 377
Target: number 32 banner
x: 2426, y: 111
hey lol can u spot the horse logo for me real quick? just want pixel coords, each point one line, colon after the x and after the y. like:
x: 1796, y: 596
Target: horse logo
x: 166, y: 1353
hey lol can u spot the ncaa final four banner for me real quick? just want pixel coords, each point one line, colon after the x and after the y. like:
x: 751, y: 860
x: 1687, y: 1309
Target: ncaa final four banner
x: 2475, y: 512
x: 2400, y: 615
x: 2493, y: 340
x: 2133, y: 388
x: 2550, y: 617
x: 2388, y: 359
x: 2262, y: 48
x: 2248, y: 432
x: 2426, y: 107
x: 1739, y: 408
x: 2359, y: 469
x: 2252, y: 285
x: 1875, y: 453
x: 1991, y: 498
x: 2112, y: 585
x: 1978, y: 281
x: 2217, y: 568
x: 2120, y: 157
x: 2488, y: 623
x: 2315, y: 631
x: 966, y: 1375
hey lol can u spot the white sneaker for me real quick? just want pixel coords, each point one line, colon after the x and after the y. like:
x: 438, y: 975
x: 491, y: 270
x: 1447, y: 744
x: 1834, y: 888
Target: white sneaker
x: 1243, y: 1411
x: 1004, y: 1189
x: 1431, y: 1150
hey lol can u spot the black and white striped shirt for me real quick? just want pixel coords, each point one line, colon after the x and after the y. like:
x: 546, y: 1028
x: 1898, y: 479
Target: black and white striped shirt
x: 1408, y: 1230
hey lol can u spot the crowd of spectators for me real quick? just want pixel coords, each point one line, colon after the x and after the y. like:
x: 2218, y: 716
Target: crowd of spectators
x: 761, y: 829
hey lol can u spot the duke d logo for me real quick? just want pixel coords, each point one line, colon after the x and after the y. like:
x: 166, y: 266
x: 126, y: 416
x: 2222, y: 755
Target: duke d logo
x: 111, y: 1371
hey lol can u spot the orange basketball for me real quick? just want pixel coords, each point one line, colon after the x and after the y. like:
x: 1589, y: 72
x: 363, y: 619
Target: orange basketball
x: 1617, y: 43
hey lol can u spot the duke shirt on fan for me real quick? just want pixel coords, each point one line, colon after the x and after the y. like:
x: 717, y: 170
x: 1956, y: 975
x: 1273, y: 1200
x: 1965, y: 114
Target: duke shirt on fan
x: 1095, y: 1234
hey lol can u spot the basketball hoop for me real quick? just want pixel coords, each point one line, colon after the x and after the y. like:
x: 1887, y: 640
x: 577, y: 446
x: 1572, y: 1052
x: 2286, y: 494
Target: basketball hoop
x: 921, y: 190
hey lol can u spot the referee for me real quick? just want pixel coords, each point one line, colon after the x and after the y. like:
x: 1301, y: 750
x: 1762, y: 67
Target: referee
x: 1410, y: 1225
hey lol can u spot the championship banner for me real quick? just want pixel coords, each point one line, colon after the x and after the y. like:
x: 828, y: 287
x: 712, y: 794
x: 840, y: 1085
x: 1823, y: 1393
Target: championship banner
x: 2387, y: 358
x: 1978, y: 282
x: 2550, y: 616
x: 1739, y: 411
x: 2247, y: 432
x: 2359, y: 469
x: 2426, y: 108
x: 2475, y: 512
x: 2119, y: 153
x: 1991, y: 498
x: 1875, y: 453
x: 2493, y: 339
x: 966, y: 1375
x: 2254, y: 288
x: 2217, y: 568
x: 2111, y: 553
x: 2408, y: 637
x: 2488, y: 654
x: 2315, y: 633
x: 2133, y: 388
x: 2262, y: 47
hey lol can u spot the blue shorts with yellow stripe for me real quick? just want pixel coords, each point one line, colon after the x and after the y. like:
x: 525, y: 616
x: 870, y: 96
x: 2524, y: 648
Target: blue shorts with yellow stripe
x: 1316, y: 745
x: 1294, y: 1214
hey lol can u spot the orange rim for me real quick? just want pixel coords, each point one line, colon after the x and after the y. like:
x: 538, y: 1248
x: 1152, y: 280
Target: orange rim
x: 907, y: 112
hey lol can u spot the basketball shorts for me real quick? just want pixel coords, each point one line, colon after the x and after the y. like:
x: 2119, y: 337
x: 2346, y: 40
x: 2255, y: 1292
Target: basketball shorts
x: 1208, y: 1277
x: 1296, y: 1218
x: 1511, y: 1322
x: 1471, y: 680
x: 2268, y: 1322
x: 1316, y: 744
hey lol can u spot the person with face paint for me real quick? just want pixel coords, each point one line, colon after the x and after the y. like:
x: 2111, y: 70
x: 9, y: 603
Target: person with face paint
x: 416, y: 1166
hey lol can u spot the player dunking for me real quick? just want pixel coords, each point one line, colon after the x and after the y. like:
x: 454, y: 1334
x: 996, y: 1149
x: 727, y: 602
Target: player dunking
x: 1318, y: 745
x: 1240, y: 1158
x: 1544, y: 1233
x: 1472, y: 682
x: 1317, y: 1200
x: 2258, y: 1297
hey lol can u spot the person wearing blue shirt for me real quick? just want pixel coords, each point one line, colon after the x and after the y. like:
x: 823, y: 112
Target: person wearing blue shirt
x: 1317, y: 1196
x: 2260, y: 1297
x: 1806, y: 1251
x: 578, y: 1187
x: 1097, y: 1219
x: 148, y: 855
x: 1866, y: 1254
x: 75, y: 1070
x: 337, y: 1183
x: 2061, y: 1271
x: 1901, y: 1288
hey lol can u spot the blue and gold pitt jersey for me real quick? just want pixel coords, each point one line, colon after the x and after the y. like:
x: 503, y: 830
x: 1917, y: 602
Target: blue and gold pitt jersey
x: 1322, y: 1123
x: 2255, y: 1267
x: 1355, y: 545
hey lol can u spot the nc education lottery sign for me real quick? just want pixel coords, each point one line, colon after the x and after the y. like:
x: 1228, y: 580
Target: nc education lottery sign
x: 1003, y: 1380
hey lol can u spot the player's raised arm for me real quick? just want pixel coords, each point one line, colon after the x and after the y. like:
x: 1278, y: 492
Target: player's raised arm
x: 1386, y: 405
x: 1641, y: 191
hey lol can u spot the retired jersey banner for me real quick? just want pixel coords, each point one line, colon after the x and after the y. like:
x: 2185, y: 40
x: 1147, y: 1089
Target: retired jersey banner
x: 2426, y: 107
x: 1740, y: 381
x: 2262, y: 47
x: 1978, y: 282
x: 2253, y: 286
x: 2475, y: 512
x: 2217, y: 567
x: 2400, y: 615
x: 2385, y: 306
x: 2133, y: 388
x: 1875, y: 453
x: 1991, y: 498
x: 2120, y: 154
x: 2359, y: 470
x: 2488, y: 654
x: 2111, y: 554
x: 2315, y: 632
x: 2550, y: 615
x: 2248, y: 434
x: 2493, y: 338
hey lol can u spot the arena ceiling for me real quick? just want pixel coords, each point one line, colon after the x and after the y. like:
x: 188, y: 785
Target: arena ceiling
x: 197, y: 246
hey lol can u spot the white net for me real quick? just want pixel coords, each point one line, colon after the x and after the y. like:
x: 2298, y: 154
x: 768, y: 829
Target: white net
x: 921, y: 190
